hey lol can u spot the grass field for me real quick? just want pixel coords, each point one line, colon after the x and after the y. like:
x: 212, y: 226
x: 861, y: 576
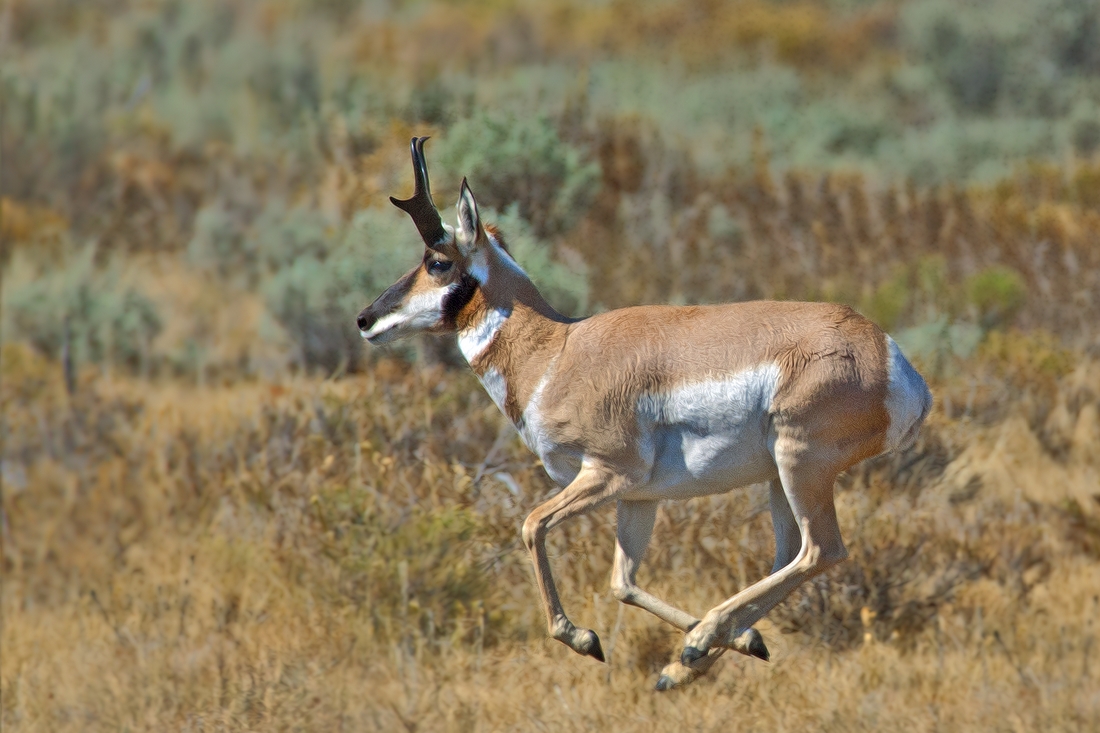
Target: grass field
x: 220, y: 512
x: 315, y: 554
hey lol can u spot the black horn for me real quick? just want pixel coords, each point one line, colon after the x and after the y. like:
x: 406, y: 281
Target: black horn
x: 420, y: 207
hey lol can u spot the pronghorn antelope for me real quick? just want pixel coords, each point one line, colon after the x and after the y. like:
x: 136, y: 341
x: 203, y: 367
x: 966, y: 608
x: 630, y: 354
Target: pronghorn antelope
x: 660, y: 402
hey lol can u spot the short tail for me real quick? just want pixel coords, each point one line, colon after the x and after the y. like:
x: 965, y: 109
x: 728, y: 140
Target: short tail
x: 908, y: 400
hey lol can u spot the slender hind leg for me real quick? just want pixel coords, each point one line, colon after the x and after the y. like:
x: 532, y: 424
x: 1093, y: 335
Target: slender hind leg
x: 809, y: 492
x: 788, y: 541
x: 788, y: 537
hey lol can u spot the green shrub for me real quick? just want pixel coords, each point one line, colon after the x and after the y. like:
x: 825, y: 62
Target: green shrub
x: 1004, y: 57
x: 889, y: 302
x: 722, y: 226
x: 218, y: 244
x: 997, y: 294
x: 1074, y: 35
x: 937, y: 343
x: 314, y: 301
x: 974, y: 70
x: 319, y: 283
x: 430, y: 102
x: 278, y: 238
x: 521, y: 160
x: 105, y: 322
x: 420, y: 569
x: 320, y: 279
x: 282, y: 237
x: 918, y: 292
x: 943, y: 331
x: 1083, y: 127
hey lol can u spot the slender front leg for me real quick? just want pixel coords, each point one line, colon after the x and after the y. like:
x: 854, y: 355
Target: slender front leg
x: 591, y: 488
x: 634, y: 528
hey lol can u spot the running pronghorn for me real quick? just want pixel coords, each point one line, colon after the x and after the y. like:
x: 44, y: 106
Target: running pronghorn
x: 661, y: 402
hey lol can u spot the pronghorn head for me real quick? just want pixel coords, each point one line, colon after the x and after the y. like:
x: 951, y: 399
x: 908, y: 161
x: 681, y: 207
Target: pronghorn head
x: 430, y: 297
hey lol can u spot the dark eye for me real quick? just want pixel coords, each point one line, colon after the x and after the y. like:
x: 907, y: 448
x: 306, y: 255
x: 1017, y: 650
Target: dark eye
x: 438, y: 267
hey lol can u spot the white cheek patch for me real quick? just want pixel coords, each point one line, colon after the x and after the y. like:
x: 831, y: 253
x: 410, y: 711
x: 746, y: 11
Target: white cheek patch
x: 473, y: 341
x: 419, y: 312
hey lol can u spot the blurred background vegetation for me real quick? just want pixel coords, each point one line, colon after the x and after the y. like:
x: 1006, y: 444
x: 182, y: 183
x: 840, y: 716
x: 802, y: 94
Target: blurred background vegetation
x: 200, y: 187
x: 193, y: 208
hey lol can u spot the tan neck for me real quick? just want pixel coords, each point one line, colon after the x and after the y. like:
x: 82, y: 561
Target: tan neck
x: 509, y: 328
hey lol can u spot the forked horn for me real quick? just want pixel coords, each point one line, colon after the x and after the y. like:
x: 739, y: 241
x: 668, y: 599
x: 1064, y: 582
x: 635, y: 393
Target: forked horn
x: 421, y: 207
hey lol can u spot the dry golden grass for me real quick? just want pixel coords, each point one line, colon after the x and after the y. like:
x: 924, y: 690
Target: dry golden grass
x: 700, y: 33
x: 328, y: 555
x: 187, y: 546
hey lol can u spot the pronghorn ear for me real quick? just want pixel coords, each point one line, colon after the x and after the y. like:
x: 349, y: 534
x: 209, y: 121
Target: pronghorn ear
x: 470, y: 232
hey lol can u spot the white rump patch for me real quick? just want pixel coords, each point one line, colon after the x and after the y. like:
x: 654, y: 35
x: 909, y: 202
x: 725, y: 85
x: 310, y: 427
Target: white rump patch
x: 418, y: 313
x: 473, y: 341
x: 907, y: 399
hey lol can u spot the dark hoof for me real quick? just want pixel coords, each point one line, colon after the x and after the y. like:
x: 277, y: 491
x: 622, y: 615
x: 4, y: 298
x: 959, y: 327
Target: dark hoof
x: 691, y: 654
x: 596, y: 652
x: 665, y: 683
x: 758, y: 649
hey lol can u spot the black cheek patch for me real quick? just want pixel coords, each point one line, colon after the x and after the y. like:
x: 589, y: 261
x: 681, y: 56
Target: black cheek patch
x: 458, y: 299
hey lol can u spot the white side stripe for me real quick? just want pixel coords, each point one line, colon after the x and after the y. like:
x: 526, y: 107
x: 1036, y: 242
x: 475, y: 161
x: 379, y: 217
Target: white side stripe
x: 714, y: 405
x: 493, y: 382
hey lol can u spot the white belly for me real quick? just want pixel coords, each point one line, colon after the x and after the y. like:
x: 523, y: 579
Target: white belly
x: 699, y: 439
x: 689, y: 465
x: 709, y: 437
